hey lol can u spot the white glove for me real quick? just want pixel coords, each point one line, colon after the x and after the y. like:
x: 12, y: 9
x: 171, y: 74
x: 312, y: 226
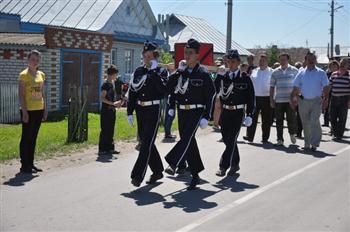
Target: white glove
x: 131, y: 120
x: 154, y: 64
x: 248, y: 121
x: 171, y: 112
x: 203, y: 123
x: 182, y: 65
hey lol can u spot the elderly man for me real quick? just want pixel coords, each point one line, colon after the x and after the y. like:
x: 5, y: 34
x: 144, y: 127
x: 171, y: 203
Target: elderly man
x: 310, y: 85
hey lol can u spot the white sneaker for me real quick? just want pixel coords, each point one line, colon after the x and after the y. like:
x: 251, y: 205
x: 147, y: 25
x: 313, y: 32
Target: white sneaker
x: 293, y: 139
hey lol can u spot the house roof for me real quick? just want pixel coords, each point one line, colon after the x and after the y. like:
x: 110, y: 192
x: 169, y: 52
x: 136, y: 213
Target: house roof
x: 33, y: 39
x: 182, y: 28
x: 118, y: 17
x: 79, y: 14
x: 322, y: 53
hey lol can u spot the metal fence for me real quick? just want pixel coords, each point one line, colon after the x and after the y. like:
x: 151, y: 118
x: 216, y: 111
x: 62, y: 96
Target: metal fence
x: 9, y: 105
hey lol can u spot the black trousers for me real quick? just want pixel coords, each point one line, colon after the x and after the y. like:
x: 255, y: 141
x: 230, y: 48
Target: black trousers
x: 262, y: 106
x: 29, y: 135
x: 148, y: 122
x: 299, y: 123
x: 231, y: 122
x: 186, y: 149
x: 338, y: 114
x: 326, y: 114
x: 280, y: 110
x: 107, y: 122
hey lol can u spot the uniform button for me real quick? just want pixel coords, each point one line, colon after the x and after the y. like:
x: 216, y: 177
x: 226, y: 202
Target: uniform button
x: 186, y: 100
x: 143, y: 95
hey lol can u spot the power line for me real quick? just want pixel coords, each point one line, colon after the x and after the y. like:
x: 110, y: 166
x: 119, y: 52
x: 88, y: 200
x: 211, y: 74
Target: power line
x: 307, y: 6
x: 302, y: 7
x: 343, y: 19
x: 345, y: 11
x: 300, y: 27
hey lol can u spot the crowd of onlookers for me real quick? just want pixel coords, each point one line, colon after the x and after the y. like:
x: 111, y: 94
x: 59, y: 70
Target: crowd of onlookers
x: 297, y: 94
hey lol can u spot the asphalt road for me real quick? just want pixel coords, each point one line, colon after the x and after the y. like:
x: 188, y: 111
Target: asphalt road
x: 278, y: 189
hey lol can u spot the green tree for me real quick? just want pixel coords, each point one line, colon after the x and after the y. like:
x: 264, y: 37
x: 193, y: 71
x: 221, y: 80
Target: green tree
x: 165, y: 58
x: 272, y: 54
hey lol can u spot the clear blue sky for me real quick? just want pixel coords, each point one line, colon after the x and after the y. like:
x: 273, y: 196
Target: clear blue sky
x: 286, y: 23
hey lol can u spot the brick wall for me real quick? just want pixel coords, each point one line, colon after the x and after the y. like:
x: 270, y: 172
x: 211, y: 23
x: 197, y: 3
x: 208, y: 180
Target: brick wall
x: 14, y: 59
x: 106, y: 60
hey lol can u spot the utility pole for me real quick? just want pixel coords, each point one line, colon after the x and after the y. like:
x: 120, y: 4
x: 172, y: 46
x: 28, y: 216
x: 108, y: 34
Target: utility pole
x: 332, y: 27
x: 229, y: 25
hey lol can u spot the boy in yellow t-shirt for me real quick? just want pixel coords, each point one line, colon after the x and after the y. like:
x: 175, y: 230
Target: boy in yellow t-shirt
x: 33, y: 110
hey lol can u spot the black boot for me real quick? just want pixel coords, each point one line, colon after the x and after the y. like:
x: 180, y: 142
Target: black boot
x: 194, y: 182
x: 154, y: 177
x: 170, y: 170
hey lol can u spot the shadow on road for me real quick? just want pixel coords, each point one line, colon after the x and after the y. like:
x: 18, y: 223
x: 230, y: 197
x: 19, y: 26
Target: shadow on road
x: 230, y: 182
x: 20, y: 179
x: 316, y: 154
x: 186, y: 178
x: 190, y: 201
x: 290, y: 149
x: 144, y: 196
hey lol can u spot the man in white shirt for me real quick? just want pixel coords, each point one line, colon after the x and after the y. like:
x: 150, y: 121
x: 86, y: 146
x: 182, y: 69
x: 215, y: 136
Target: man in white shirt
x: 261, y: 81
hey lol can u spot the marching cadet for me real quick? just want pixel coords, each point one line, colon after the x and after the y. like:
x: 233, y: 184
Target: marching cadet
x: 236, y: 93
x: 194, y: 93
x: 147, y: 88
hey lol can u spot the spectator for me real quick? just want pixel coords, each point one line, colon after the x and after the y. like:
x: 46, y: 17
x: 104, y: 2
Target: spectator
x: 251, y: 65
x: 282, y: 81
x: 333, y: 66
x: 168, y: 119
x: 311, y: 83
x: 261, y: 80
x: 33, y: 110
x: 298, y: 65
x: 218, y: 108
x: 340, y: 99
x: 244, y: 67
x: 276, y: 65
x: 107, y: 116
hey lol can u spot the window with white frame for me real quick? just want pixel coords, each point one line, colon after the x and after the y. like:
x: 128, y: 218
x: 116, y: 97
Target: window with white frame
x: 114, y: 56
x: 129, y: 61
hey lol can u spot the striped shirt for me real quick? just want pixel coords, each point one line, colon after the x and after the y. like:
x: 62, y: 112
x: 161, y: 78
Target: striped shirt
x: 282, y: 81
x: 340, y: 84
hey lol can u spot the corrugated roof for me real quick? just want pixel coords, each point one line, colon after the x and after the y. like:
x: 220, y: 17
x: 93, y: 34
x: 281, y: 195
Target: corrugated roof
x: 22, y: 39
x: 79, y: 14
x: 184, y: 27
x: 322, y: 53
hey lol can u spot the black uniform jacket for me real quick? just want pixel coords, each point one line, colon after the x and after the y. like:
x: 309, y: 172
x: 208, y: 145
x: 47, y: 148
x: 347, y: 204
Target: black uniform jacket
x: 154, y: 87
x: 243, y: 91
x: 200, y: 89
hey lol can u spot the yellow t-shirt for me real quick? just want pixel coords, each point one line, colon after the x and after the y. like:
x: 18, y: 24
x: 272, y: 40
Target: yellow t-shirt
x: 33, y: 89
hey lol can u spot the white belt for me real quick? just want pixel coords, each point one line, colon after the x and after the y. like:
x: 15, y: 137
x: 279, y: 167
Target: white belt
x: 235, y: 107
x: 148, y: 103
x: 190, y: 107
